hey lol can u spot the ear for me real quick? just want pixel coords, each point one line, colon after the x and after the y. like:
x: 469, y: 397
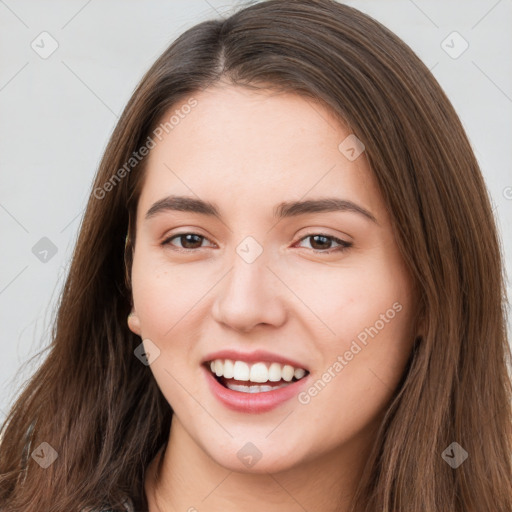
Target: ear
x: 134, y: 322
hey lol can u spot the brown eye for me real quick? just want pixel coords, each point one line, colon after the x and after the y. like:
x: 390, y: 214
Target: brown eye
x: 322, y: 243
x: 189, y: 241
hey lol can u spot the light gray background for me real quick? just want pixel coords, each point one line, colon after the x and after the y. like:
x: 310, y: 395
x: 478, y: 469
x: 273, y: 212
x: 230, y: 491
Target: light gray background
x: 56, y: 115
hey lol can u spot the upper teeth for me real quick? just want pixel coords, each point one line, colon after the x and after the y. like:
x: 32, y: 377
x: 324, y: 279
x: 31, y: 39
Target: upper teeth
x: 256, y: 372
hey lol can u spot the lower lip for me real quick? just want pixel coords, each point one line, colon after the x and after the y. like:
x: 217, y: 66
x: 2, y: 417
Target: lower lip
x: 252, y: 402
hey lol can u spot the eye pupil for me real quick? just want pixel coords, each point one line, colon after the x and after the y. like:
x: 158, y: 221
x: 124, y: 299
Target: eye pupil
x: 324, y: 240
x: 188, y: 237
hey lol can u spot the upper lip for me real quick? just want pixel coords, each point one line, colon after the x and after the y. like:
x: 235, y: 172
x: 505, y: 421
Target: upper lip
x: 253, y: 357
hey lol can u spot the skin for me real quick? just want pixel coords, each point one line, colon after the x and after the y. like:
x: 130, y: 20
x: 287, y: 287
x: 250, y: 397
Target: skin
x: 246, y: 152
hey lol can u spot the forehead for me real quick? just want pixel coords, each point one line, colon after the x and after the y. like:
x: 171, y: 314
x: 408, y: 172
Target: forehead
x: 254, y: 149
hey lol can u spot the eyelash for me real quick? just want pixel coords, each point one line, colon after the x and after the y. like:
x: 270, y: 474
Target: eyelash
x: 343, y: 245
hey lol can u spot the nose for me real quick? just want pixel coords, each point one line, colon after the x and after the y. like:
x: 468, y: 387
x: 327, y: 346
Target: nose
x: 250, y: 295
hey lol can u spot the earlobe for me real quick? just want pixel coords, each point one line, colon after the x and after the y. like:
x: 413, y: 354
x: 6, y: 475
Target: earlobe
x: 134, y: 322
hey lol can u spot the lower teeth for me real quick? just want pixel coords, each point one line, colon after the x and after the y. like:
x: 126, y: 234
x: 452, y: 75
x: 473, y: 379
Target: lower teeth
x: 253, y: 389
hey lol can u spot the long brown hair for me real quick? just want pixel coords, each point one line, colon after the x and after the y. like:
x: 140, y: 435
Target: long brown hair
x: 95, y: 403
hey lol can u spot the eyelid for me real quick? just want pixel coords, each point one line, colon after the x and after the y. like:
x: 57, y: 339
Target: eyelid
x: 167, y: 239
x: 342, y: 244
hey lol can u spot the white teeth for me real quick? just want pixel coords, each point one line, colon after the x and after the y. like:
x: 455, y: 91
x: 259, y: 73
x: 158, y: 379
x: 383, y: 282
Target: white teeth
x: 253, y: 389
x: 229, y: 369
x: 299, y: 373
x: 259, y: 372
x: 218, y: 368
x: 240, y: 371
x: 288, y: 372
x: 274, y: 372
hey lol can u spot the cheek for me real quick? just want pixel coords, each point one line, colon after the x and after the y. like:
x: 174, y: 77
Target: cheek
x: 359, y: 372
x: 364, y: 362
x: 167, y: 300
x: 368, y: 310
x: 347, y: 298
x: 165, y: 295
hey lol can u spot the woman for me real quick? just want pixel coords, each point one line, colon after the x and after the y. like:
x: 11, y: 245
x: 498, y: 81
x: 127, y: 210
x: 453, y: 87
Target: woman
x: 287, y: 291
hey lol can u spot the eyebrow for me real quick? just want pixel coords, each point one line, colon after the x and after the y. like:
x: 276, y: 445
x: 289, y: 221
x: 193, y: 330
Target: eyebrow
x: 281, y: 211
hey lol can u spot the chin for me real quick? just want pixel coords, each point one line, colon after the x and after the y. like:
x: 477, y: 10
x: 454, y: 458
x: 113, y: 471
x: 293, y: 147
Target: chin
x: 258, y: 457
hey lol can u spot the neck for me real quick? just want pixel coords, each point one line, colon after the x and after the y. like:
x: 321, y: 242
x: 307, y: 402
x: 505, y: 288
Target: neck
x: 183, y: 477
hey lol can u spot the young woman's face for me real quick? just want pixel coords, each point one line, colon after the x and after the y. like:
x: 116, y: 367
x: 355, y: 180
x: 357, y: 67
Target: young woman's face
x: 323, y: 288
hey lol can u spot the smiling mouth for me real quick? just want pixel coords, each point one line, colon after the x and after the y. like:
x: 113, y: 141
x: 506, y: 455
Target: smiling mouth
x: 256, y: 378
